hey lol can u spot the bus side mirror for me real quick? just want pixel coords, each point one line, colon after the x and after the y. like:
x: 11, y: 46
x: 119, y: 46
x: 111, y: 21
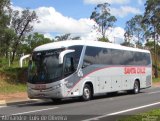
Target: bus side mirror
x: 62, y: 54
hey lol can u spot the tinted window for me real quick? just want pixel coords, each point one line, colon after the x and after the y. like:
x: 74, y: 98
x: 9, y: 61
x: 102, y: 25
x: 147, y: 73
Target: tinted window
x: 77, y: 54
x: 68, y: 65
x: 45, y: 67
x: 95, y: 55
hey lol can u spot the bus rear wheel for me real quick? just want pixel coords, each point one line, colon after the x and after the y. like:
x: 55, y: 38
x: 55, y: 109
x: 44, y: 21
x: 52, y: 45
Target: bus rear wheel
x: 136, y: 88
x: 87, y: 93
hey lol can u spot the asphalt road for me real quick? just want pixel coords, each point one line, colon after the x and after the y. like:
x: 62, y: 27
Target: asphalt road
x: 105, y: 107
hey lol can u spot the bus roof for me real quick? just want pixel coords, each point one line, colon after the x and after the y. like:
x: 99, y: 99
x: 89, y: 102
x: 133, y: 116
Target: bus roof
x: 68, y: 43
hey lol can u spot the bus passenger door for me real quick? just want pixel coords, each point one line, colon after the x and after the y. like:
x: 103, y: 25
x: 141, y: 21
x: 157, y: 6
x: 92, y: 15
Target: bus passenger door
x: 69, y: 74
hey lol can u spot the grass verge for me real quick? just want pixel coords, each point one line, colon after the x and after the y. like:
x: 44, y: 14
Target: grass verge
x: 10, y: 85
x: 153, y: 115
x: 12, y: 79
x: 12, y: 88
x: 156, y: 80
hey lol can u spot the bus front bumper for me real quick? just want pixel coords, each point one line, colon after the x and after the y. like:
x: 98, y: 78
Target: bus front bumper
x: 43, y: 94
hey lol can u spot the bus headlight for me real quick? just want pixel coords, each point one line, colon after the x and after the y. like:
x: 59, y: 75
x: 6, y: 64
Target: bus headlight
x: 57, y: 86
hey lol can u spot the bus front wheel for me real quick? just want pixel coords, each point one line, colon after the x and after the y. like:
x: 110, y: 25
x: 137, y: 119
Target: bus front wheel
x: 87, y: 93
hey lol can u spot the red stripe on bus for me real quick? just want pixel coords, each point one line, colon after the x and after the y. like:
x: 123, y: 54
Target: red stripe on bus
x: 84, y: 77
x: 102, y: 69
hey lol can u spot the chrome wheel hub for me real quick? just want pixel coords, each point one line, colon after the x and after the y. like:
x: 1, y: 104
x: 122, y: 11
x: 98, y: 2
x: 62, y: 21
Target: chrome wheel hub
x: 86, y: 93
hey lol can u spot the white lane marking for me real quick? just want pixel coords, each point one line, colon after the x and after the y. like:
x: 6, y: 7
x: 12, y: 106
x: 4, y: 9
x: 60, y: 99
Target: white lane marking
x: 154, y: 92
x: 3, y: 106
x: 123, y: 111
x: 25, y: 103
x: 35, y: 111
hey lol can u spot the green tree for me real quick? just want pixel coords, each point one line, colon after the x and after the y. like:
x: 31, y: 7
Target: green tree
x: 21, y: 24
x: 152, y: 15
x: 128, y: 44
x: 128, y: 33
x: 63, y: 37
x: 76, y: 38
x: 104, y: 39
x: 4, y: 22
x: 102, y: 16
x: 8, y: 40
x: 135, y: 30
x: 152, y: 19
x: 34, y: 40
x: 139, y: 44
x: 66, y: 37
x: 150, y: 45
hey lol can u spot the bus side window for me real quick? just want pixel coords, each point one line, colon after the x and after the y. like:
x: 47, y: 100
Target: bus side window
x: 69, y: 66
x: 85, y: 64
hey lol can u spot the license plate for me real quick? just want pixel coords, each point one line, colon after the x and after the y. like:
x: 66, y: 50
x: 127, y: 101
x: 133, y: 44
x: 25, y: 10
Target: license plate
x: 40, y: 87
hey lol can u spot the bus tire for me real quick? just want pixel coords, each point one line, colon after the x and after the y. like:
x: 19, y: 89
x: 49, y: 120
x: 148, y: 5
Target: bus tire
x: 136, y: 87
x: 87, y: 93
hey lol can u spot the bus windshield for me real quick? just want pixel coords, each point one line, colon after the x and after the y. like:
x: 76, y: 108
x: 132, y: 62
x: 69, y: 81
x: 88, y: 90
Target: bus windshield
x: 44, y: 67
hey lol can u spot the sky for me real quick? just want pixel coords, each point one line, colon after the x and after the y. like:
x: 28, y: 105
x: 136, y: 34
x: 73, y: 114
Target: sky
x: 58, y: 17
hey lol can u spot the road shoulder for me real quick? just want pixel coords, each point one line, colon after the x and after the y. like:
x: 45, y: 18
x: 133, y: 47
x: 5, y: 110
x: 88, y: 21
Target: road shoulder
x: 22, y: 97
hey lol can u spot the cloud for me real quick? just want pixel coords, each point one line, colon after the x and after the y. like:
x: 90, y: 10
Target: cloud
x: 108, y: 1
x: 124, y: 11
x: 53, y: 21
x: 48, y: 35
x: 116, y: 34
x: 91, y: 36
x: 17, y: 8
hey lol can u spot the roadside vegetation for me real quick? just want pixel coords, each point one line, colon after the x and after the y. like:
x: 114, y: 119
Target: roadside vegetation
x: 12, y: 79
x: 155, y: 80
x: 11, y: 87
x: 153, y: 115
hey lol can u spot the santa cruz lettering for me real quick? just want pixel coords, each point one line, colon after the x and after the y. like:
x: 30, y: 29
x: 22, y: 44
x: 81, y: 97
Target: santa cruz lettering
x: 134, y: 70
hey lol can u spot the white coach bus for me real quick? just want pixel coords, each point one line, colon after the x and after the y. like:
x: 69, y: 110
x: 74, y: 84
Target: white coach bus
x: 77, y: 68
